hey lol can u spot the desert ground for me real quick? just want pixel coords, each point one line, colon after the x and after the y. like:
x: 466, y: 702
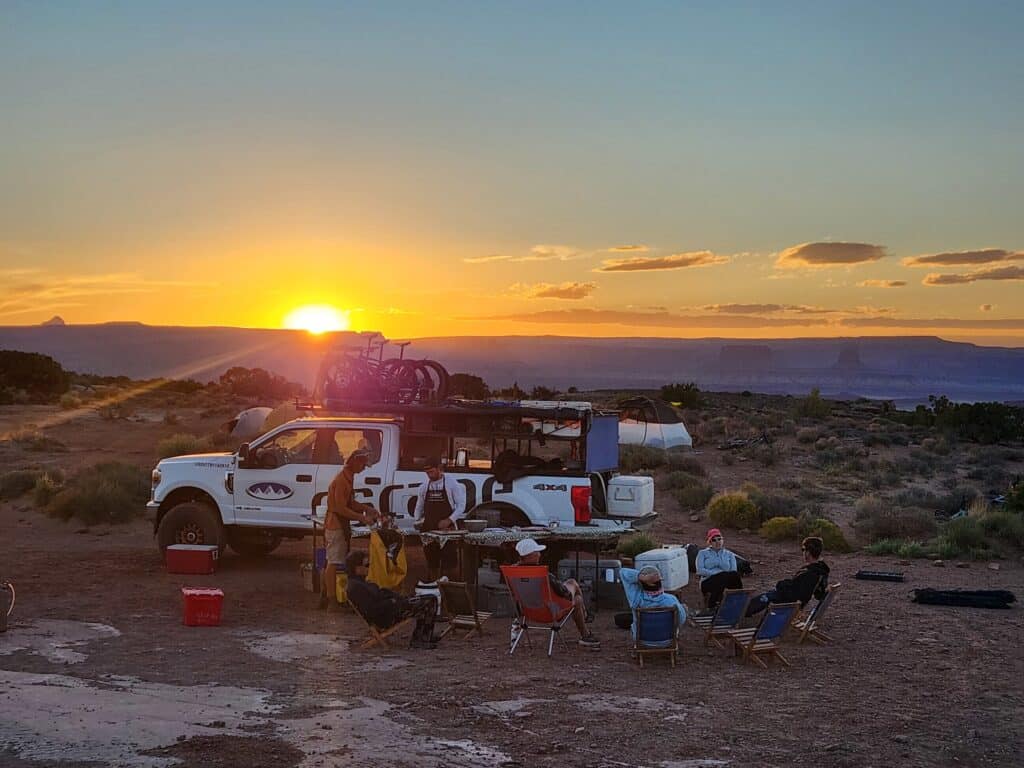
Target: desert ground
x: 97, y: 668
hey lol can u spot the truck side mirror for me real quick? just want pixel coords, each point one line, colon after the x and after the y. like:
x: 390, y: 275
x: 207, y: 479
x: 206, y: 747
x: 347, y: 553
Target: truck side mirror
x: 243, y: 453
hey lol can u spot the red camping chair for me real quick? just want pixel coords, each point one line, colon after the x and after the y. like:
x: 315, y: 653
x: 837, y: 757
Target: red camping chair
x: 535, y: 603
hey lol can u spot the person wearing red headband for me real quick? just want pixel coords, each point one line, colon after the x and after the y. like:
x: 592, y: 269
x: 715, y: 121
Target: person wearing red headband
x: 717, y: 569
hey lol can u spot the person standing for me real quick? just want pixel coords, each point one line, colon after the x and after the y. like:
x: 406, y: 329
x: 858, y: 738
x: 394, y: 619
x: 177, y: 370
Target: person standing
x: 717, y: 569
x: 441, y: 503
x: 342, y: 511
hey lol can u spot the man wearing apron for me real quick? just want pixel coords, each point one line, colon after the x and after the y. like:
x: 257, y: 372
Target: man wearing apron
x: 440, y: 505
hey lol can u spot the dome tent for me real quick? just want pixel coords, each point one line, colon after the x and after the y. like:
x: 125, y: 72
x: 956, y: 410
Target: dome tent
x: 249, y: 423
x: 650, y: 422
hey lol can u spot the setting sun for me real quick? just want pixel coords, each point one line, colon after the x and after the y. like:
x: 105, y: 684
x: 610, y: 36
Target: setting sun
x: 317, y: 319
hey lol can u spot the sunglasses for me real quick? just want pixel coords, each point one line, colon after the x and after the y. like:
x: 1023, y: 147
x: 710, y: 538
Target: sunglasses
x: 716, y: 538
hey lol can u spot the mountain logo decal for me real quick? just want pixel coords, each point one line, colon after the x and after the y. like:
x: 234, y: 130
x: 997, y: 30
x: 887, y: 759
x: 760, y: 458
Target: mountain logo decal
x: 269, y: 491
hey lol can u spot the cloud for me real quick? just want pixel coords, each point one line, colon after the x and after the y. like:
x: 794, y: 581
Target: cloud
x: 552, y: 253
x: 628, y: 249
x: 485, y: 259
x: 764, y: 309
x: 828, y: 255
x: 570, y: 290
x: 998, y: 273
x: 673, y: 261
x: 934, y: 322
x: 986, y: 307
x: 962, y: 258
x: 584, y: 316
x: 882, y: 283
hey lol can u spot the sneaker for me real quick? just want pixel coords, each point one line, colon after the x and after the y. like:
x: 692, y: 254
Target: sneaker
x: 516, y: 631
x: 589, y: 641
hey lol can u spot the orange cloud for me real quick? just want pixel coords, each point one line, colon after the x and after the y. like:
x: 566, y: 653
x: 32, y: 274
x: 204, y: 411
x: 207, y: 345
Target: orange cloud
x: 570, y: 290
x: 999, y: 273
x: 829, y: 255
x: 882, y: 283
x: 673, y: 261
x: 964, y: 258
x: 629, y: 249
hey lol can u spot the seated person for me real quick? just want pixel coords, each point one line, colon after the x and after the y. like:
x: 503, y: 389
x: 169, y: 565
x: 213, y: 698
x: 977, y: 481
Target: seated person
x: 384, y: 608
x: 643, y: 590
x: 810, y: 581
x: 717, y: 569
x: 529, y: 554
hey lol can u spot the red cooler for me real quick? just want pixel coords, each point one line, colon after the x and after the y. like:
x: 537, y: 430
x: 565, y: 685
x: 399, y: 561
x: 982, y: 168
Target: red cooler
x: 202, y: 606
x: 191, y: 558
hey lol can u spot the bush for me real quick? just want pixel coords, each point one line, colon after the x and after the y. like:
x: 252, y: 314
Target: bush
x: 807, y: 435
x: 635, y: 545
x: 962, y: 536
x: 830, y: 534
x: 16, y: 482
x: 46, y: 487
x: 40, y: 377
x: 110, y: 492
x: 936, y: 445
x: 69, y: 402
x: 770, y: 504
x: 687, y: 395
x: 36, y: 441
x: 898, y: 547
x: 181, y: 445
x: 876, y: 519
x: 733, y: 509
x: 685, y: 463
x: 634, y: 457
x: 813, y: 406
x: 781, y: 529
x: 1005, y: 527
x: 695, y: 496
x: 1015, y: 498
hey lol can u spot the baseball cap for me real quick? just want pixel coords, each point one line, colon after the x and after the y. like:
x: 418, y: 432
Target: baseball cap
x: 528, y: 547
x: 712, y: 533
x: 359, y: 453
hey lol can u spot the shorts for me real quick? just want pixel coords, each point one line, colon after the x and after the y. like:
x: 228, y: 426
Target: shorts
x: 337, y: 545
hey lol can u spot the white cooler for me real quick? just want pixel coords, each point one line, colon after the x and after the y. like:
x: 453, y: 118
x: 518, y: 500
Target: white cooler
x: 630, y: 496
x: 671, y: 561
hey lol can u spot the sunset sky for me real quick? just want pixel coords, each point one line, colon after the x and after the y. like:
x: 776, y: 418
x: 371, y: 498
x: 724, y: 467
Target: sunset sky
x: 657, y: 169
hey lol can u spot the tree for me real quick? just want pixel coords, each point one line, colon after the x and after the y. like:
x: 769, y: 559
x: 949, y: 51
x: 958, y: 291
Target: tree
x: 687, y: 395
x: 259, y: 383
x: 543, y: 393
x: 40, y: 376
x: 469, y: 386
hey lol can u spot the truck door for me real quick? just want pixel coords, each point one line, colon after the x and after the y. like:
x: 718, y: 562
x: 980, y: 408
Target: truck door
x: 276, y: 485
x: 334, y: 447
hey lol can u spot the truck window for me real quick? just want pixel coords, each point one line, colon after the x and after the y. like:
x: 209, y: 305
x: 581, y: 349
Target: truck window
x: 339, y: 443
x: 293, y: 446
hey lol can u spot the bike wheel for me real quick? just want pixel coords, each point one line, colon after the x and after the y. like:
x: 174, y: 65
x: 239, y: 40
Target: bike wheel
x: 439, y: 378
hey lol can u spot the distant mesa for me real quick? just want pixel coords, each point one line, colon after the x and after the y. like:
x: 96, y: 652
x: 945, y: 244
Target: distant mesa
x: 745, y: 358
x: 849, y: 358
x: 55, y: 320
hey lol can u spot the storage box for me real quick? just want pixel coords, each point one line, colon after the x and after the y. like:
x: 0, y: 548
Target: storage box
x: 496, y: 600
x: 202, y: 607
x: 610, y: 593
x: 671, y: 562
x: 630, y: 496
x: 191, y: 558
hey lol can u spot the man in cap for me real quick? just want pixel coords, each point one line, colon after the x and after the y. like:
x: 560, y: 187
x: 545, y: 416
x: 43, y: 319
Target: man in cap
x: 529, y: 554
x: 342, y: 511
x: 644, y: 590
x: 440, y: 504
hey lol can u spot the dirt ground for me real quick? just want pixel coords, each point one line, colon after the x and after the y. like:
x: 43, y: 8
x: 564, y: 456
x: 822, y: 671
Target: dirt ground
x: 98, y: 669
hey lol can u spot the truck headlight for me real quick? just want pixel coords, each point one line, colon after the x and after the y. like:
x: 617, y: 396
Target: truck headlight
x: 155, y: 479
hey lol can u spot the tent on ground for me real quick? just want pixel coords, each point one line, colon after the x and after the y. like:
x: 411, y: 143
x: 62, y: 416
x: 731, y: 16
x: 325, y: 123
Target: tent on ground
x: 654, y: 423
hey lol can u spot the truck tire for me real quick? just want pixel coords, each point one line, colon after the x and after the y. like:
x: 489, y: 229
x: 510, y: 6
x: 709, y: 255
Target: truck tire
x: 253, y: 542
x: 191, y: 522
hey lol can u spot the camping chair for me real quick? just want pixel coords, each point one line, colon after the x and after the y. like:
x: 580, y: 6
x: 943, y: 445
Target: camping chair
x: 380, y: 636
x: 535, y: 602
x: 657, y: 632
x: 730, y: 613
x: 808, y: 627
x: 763, y: 640
x: 458, y: 606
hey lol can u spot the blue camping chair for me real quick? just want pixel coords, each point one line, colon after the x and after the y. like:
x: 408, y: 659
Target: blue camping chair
x: 730, y: 613
x: 764, y: 639
x: 657, y: 632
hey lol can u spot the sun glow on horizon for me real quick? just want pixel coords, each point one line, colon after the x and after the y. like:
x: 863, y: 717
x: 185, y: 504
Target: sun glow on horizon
x: 317, y: 319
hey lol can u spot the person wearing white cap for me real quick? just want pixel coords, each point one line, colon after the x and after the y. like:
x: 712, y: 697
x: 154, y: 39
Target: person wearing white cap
x: 529, y: 554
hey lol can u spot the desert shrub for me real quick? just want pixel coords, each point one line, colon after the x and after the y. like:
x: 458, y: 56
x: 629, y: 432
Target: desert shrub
x: 813, y: 406
x: 635, y: 545
x: 770, y: 504
x: 962, y: 536
x: 765, y: 455
x: 687, y: 394
x: 114, y: 411
x: 733, y: 509
x: 807, y: 435
x: 898, y: 547
x: 634, y: 457
x: 830, y: 533
x: 259, y: 383
x: 685, y: 463
x: 679, y: 480
x: 182, y: 444
x: 46, y: 487
x: 957, y: 499
x: 1015, y: 498
x: 694, y: 496
x: 876, y: 519
x: 69, y: 402
x: 1005, y: 527
x: 780, y: 529
x: 110, y: 492
x: 32, y: 440
x: 16, y: 482
x: 937, y: 445
x: 41, y: 378
x: 916, y: 497
x: 876, y: 438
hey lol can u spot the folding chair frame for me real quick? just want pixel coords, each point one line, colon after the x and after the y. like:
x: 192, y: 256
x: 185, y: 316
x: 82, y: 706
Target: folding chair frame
x: 808, y: 626
x: 471, y: 622
x: 747, y: 644
x: 707, y: 623
x: 378, y: 636
x: 670, y: 651
x: 524, y: 626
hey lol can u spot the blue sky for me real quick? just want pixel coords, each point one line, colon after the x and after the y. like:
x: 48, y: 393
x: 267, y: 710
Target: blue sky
x: 162, y: 146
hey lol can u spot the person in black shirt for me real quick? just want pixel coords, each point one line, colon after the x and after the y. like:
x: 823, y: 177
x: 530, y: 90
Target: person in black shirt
x: 810, y: 581
x: 384, y: 608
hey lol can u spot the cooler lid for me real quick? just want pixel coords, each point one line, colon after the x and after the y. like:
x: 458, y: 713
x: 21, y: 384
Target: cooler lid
x: 193, y: 547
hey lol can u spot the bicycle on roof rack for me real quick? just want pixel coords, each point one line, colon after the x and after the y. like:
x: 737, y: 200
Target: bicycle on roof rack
x: 362, y: 374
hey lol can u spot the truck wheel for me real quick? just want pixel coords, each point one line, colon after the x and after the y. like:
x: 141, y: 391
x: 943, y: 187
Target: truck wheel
x: 190, y: 522
x: 512, y: 517
x: 253, y: 542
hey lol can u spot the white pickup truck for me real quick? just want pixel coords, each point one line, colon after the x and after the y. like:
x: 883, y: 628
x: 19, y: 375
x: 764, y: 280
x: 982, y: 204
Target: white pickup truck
x: 267, y: 491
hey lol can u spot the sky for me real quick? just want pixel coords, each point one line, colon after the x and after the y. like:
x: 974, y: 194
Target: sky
x: 675, y: 169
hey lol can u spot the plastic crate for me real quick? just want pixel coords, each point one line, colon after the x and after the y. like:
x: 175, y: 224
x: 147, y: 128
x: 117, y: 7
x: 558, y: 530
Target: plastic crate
x: 202, y: 607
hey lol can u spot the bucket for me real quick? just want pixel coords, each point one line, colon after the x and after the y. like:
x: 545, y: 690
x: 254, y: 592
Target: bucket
x: 340, y: 584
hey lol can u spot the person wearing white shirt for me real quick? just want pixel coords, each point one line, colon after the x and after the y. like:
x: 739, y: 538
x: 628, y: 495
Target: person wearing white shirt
x: 440, y: 504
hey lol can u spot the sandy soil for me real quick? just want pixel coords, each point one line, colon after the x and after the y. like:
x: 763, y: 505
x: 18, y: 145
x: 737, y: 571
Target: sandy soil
x: 97, y: 668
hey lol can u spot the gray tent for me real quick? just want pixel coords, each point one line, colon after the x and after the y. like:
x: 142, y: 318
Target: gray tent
x: 654, y: 423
